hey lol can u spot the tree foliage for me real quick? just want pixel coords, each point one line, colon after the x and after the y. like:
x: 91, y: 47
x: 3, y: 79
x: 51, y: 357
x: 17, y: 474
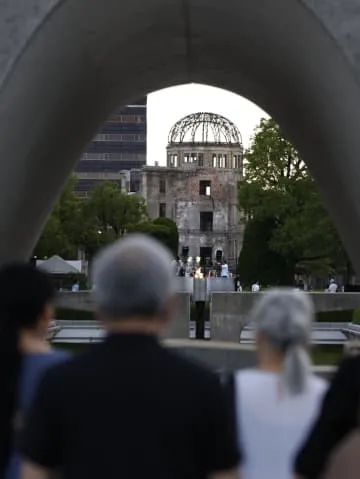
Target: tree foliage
x: 279, y: 188
x: 114, y: 210
x: 257, y: 262
x: 56, y: 237
x: 163, y: 229
x: 87, y: 225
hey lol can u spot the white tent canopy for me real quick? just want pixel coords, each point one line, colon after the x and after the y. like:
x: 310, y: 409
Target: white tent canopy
x: 57, y: 265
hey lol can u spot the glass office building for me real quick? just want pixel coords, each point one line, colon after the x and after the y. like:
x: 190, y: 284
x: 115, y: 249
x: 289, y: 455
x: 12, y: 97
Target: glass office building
x: 119, y: 145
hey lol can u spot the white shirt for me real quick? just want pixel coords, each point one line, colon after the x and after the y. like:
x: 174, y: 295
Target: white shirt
x: 255, y: 288
x: 224, y: 271
x: 333, y: 287
x: 75, y: 288
x: 272, y: 427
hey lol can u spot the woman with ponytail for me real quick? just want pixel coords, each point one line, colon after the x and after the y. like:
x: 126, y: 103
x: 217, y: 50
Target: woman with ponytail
x: 26, y: 309
x: 277, y: 403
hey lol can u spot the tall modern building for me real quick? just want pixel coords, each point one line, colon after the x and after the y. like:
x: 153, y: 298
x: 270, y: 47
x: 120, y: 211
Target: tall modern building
x: 120, y: 146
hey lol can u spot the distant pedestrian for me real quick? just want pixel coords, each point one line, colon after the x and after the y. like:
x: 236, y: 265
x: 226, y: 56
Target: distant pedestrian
x: 238, y: 286
x: 333, y: 441
x: 255, y: 288
x: 131, y: 408
x: 333, y: 287
x: 224, y: 270
x: 75, y: 287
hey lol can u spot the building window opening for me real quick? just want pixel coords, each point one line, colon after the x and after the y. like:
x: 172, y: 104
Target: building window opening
x: 205, y: 255
x: 135, y: 182
x: 214, y: 161
x: 205, y: 188
x: 173, y: 160
x: 206, y: 221
x: 218, y: 256
x: 237, y: 162
x: 201, y: 159
x: 193, y: 157
x: 162, y: 210
x: 222, y: 161
x: 162, y: 185
x: 185, y: 252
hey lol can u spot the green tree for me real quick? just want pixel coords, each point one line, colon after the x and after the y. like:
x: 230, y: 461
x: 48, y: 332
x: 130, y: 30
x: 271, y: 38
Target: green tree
x: 114, y: 211
x: 72, y: 226
x: 88, y: 225
x: 173, y: 241
x: 56, y: 237
x: 257, y: 262
x: 87, y: 232
x: 52, y: 240
x: 163, y: 229
x: 279, y: 187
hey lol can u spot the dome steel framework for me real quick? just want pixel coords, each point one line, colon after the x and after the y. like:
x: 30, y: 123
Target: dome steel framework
x: 205, y: 128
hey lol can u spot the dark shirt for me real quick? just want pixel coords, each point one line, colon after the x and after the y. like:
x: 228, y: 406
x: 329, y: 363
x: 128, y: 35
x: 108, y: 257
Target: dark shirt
x: 32, y: 369
x: 338, y: 417
x: 130, y: 408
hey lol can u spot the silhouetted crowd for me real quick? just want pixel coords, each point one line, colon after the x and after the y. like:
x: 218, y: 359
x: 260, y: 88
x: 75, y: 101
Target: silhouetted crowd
x: 130, y: 407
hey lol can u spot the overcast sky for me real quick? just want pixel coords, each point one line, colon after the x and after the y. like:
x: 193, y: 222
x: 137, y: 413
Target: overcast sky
x: 166, y: 107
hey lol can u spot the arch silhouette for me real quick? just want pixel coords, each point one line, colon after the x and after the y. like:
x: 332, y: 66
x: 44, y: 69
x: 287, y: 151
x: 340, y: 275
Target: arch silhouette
x: 82, y: 58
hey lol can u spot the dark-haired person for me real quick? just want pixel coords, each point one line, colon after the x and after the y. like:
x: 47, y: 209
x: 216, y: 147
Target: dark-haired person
x: 26, y: 297
x: 339, y: 416
x: 129, y: 407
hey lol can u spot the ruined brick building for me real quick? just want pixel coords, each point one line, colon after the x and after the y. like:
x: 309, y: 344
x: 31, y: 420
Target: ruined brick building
x: 198, y: 187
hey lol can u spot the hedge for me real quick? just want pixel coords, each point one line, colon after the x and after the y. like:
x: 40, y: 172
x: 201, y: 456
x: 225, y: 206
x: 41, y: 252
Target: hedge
x: 356, y: 316
x: 345, y: 316
x: 74, y: 315
x: 198, y: 314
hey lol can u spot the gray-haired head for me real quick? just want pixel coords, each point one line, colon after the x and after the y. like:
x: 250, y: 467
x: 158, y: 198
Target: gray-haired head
x: 284, y: 318
x: 133, y: 278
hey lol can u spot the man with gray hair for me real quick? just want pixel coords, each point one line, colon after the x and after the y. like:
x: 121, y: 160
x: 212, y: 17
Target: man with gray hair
x: 130, y: 407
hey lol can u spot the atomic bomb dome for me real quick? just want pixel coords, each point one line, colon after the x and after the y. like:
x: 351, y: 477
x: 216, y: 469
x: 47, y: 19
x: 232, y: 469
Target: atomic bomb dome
x: 205, y: 129
x: 198, y: 188
x: 204, y: 140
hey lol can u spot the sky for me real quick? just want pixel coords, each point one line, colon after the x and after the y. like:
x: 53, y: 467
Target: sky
x: 166, y: 107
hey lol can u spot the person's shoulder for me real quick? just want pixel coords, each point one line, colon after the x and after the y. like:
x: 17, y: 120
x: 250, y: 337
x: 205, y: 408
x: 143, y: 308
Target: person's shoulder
x: 41, y: 367
x: 63, y: 367
x: 246, y: 374
x: 349, y: 369
x: 45, y: 360
x: 318, y: 384
x: 58, y: 356
x: 253, y: 379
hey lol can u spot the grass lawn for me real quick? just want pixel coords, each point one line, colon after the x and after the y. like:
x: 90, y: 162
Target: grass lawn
x: 326, y: 355
x: 73, y: 348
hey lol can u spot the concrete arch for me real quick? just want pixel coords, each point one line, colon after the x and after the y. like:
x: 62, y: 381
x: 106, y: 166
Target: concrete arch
x: 79, y: 59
